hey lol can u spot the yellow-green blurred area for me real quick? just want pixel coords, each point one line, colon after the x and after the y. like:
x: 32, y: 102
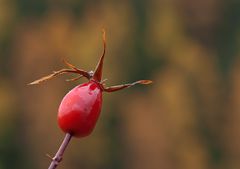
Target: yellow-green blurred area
x: 189, y: 118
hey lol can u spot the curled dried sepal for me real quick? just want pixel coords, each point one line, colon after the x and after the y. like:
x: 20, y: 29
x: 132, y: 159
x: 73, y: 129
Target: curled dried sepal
x: 123, y: 86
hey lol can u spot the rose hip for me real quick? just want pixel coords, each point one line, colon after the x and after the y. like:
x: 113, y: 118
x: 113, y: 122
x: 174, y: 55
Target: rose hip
x: 80, y: 108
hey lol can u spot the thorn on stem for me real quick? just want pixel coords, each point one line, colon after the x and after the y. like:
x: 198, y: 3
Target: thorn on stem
x: 49, y: 156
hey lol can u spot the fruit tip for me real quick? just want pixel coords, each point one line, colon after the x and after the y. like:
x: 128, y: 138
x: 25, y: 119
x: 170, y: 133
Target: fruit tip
x: 29, y: 84
x: 146, y: 81
x: 33, y: 83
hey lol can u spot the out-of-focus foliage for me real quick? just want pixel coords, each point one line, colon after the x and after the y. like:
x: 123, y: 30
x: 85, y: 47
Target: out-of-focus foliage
x: 188, y: 119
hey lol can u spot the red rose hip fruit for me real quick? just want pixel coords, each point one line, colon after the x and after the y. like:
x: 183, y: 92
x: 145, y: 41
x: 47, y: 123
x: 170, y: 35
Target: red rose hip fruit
x: 80, y: 108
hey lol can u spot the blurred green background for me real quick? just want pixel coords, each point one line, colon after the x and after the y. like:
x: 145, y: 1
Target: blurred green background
x: 189, y: 118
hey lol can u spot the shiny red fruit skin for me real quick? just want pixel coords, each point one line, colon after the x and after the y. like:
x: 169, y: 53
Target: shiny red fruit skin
x: 80, y: 109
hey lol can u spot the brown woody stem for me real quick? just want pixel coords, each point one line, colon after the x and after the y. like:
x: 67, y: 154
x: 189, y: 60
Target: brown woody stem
x: 59, y: 155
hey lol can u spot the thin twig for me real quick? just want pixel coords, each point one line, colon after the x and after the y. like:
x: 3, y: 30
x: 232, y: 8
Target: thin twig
x: 59, y: 155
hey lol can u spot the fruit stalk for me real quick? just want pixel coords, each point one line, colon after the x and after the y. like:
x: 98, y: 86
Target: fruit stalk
x: 59, y: 155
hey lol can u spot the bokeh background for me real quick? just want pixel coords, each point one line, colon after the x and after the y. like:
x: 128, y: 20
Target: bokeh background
x: 188, y: 119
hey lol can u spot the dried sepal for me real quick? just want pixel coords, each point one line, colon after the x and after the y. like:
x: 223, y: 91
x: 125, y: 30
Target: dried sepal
x: 95, y: 75
x: 69, y: 64
x: 98, y: 70
x: 73, y: 69
x: 80, y: 71
x: 54, y: 74
x: 123, y: 86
